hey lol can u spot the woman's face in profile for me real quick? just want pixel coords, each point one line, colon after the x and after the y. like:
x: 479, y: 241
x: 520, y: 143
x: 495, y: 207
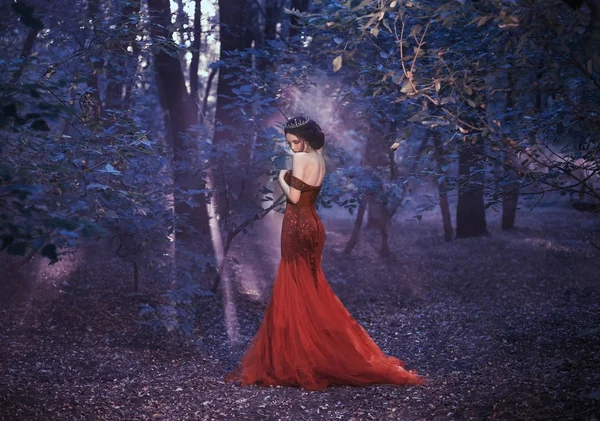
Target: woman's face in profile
x: 296, y: 144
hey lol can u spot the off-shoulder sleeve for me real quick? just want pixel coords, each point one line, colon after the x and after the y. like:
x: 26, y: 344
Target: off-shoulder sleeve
x: 296, y: 183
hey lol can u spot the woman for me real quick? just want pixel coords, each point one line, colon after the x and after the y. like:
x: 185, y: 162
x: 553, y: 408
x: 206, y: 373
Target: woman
x: 307, y: 337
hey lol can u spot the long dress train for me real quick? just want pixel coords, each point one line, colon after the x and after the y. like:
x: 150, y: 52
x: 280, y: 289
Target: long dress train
x: 307, y: 337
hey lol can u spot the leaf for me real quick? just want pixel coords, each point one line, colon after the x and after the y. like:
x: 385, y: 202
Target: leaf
x: 146, y: 309
x: 471, y: 103
x: 337, y: 63
x: 397, y: 78
x: 415, y: 30
x: 483, y: 20
x: 338, y: 40
x: 395, y: 146
x: 362, y: 4
x: 97, y: 186
x: 406, y: 88
x: 110, y: 169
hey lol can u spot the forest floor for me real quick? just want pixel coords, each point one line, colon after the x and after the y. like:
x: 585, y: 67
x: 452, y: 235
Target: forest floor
x: 503, y: 327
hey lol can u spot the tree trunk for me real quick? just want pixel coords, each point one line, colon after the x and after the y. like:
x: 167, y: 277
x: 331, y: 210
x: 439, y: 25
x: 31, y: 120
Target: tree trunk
x: 191, y: 221
x: 442, y: 187
x: 379, y: 216
x: 415, y: 163
x: 376, y: 156
x: 196, y: 44
x: 235, y: 35
x: 470, y: 211
x: 26, y: 52
x: 93, y: 101
x: 272, y: 14
x: 122, y: 63
x: 357, y: 226
x: 510, y: 189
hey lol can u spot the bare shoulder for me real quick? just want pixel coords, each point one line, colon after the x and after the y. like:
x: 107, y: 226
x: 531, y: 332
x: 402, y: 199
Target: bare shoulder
x: 301, y: 156
x: 301, y: 160
x: 307, y: 157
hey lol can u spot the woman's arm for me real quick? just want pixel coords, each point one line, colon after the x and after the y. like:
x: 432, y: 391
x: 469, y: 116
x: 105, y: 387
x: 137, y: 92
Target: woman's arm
x: 292, y: 193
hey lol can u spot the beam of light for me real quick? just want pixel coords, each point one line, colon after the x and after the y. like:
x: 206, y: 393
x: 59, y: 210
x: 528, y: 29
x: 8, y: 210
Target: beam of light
x: 231, y: 321
x: 256, y: 279
x: 42, y: 273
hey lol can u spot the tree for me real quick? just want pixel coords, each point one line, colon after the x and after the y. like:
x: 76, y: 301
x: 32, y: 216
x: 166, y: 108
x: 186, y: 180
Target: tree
x: 235, y: 35
x: 470, y: 210
x: 180, y: 116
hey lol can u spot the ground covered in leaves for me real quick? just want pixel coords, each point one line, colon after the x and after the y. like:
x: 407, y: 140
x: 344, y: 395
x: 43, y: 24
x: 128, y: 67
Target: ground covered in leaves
x: 504, y: 327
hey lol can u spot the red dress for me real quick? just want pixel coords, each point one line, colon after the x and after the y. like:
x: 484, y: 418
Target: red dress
x: 307, y: 337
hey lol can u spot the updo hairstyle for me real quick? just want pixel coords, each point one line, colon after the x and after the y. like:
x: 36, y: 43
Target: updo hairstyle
x: 306, y: 129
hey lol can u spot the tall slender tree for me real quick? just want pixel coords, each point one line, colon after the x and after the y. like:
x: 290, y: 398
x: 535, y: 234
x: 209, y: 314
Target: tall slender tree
x: 440, y: 159
x: 470, y: 209
x: 180, y: 111
x: 510, y: 186
x: 235, y: 35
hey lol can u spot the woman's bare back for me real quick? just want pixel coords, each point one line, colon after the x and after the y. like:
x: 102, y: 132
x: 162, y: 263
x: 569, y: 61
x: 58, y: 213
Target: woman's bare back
x: 312, y: 167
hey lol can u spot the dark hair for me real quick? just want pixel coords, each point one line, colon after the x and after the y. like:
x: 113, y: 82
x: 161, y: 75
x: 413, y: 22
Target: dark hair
x: 307, y: 130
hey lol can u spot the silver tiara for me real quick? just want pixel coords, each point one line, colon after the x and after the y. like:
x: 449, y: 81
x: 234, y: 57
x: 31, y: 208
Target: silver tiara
x: 294, y: 123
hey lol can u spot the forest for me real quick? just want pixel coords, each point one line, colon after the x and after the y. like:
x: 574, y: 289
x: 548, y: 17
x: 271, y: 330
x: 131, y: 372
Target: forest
x: 140, y: 215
